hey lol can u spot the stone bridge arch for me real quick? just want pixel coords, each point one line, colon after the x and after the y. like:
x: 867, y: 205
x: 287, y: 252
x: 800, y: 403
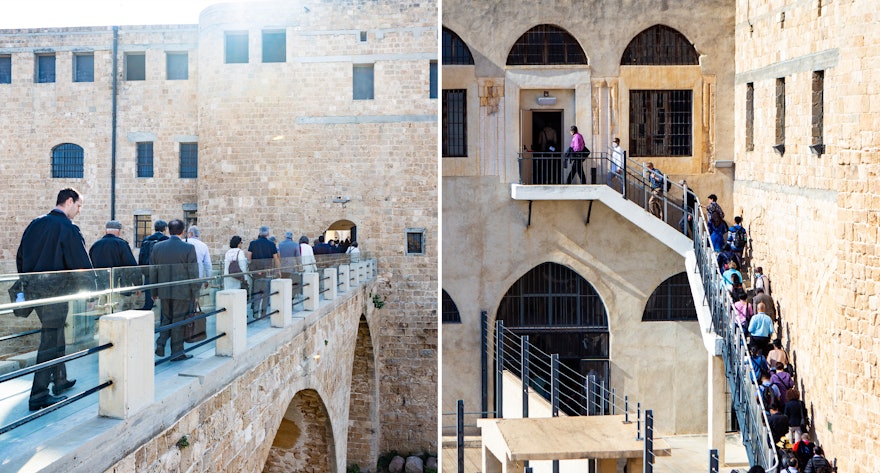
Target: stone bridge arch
x: 363, y: 414
x: 304, y: 440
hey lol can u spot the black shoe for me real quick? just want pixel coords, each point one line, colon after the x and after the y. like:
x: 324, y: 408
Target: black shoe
x: 45, y: 402
x: 160, y: 351
x: 182, y: 357
x: 59, y: 388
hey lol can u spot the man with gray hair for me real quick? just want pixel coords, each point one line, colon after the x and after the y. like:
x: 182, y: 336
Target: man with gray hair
x: 111, y: 251
x: 202, y: 253
x: 288, y: 250
x: 264, y: 259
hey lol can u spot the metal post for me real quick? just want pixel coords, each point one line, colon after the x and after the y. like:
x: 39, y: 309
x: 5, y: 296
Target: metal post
x: 638, y: 421
x: 459, y: 430
x: 524, y: 340
x: 604, y: 398
x: 713, y: 461
x: 554, y: 384
x: 649, y: 441
x: 626, y: 409
x: 613, y: 397
x: 499, y: 369
x: 484, y: 362
x: 623, y: 177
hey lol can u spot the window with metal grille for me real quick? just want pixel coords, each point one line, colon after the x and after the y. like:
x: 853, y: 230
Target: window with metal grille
x: 189, y: 160
x: 84, y: 67
x: 671, y: 301
x: 660, y: 45
x: 455, y: 51
x: 142, y: 226
x: 750, y: 117
x: 454, y: 124
x: 274, y: 46
x: 67, y: 161
x: 432, y: 80
x: 177, y: 65
x: 145, y: 159
x: 660, y: 122
x: 362, y: 81
x: 415, y: 241
x: 190, y: 215
x: 780, y: 111
x: 135, y: 66
x: 45, y: 68
x: 450, y: 310
x: 236, y: 47
x: 5, y: 69
x: 818, y: 107
x: 546, y: 45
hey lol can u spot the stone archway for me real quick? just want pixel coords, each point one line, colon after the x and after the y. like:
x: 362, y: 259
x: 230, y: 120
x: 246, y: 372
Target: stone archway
x: 363, y: 419
x: 341, y: 230
x: 304, y: 440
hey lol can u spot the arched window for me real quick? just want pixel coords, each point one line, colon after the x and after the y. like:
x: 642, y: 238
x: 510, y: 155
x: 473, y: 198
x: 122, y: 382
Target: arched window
x: 562, y: 314
x: 660, y: 45
x: 671, y: 301
x: 545, y: 45
x: 67, y: 161
x: 455, y: 51
x: 450, y: 310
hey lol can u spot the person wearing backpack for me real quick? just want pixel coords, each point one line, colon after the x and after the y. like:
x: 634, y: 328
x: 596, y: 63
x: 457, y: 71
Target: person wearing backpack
x: 738, y: 238
x: 803, y: 449
x: 818, y: 464
x: 235, y: 261
x: 160, y: 227
x: 656, y: 180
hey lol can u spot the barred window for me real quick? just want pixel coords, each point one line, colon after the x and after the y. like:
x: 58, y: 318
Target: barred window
x: 236, y: 47
x: 274, y: 46
x: 415, y: 241
x: 67, y: 161
x: 362, y: 82
x: 177, y: 65
x: 454, y: 122
x: 660, y: 45
x: 455, y: 51
x: 5, y: 69
x: 750, y: 116
x: 142, y: 226
x: 189, y: 160
x: 135, y: 66
x: 145, y: 159
x: 671, y: 301
x: 818, y: 107
x: 780, y: 111
x: 432, y: 80
x: 84, y: 67
x: 450, y: 310
x: 545, y: 45
x: 45, y: 68
x: 660, y: 122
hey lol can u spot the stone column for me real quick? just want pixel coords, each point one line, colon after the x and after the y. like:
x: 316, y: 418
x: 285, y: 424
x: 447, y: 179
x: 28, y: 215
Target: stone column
x: 129, y: 363
x: 311, y: 291
x: 344, y: 278
x: 281, y: 303
x: 355, y: 274
x: 232, y: 322
x: 717, y: 406
x: 330, y: 284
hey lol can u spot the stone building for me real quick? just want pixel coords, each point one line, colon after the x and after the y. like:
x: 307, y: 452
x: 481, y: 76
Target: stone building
x: 300, y: 116
x: 783, y: 120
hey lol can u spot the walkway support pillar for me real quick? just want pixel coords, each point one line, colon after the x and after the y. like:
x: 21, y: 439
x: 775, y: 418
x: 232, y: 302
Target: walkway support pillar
x: 344, y: 278
x: 330, y: 284
x: 232, y: 322
x: 129, y: 363
x: 717, y: 405
x: 311, y: 291
x: 280, y: 303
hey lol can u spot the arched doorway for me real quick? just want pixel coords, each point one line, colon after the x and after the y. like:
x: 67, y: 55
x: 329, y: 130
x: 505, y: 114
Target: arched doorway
x: 304, y: 440
x: 363, y: 416
x: 345, y: 231
x: 561, y: 313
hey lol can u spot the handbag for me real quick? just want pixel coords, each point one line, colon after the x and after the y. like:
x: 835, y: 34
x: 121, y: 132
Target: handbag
x: 234, y: 267
x: 197, y: 330
x: 14, y: 290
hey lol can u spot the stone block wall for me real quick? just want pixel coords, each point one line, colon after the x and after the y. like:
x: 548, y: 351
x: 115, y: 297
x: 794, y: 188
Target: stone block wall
x: 814, y: 218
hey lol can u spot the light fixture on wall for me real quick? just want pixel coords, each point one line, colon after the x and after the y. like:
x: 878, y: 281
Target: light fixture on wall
x: 341, y: 200
x: 546, y: 99
x: 780, y: 148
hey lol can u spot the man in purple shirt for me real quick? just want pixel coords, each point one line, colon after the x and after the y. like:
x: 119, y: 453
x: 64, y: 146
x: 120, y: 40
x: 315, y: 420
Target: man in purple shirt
x: 576, y: 154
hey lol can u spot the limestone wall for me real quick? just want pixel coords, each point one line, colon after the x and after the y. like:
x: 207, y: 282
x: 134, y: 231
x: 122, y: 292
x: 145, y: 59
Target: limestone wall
x: 814, y: 218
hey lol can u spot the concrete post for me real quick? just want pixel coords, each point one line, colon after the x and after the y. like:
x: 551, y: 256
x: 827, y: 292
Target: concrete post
x: 717, y: 405
x: 330, y: 284
x: 311, y: 291
x: 344, y: 278
x: 354, y: 274
x: 281, y: 302
x: 129, y: 363
x: 362, y: 272
x: 232, y: 322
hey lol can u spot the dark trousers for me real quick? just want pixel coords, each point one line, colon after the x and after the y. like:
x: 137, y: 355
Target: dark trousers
x: 577, y: 167
x: 260, y: 298
x: 52, y: 345
x: 148, y: 299
x: 173, y: 310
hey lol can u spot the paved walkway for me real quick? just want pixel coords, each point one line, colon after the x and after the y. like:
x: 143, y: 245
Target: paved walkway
x: 689, y: 455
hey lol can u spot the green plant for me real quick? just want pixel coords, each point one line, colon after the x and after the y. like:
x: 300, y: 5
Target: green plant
x: 378, y: 301
x: 353, y: 469
x: 183, y: 442
x: 385, y: 460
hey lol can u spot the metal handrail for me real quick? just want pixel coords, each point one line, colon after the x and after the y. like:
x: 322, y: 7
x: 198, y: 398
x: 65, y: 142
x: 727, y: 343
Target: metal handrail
x: 55, y: 361
x: 54, y: 407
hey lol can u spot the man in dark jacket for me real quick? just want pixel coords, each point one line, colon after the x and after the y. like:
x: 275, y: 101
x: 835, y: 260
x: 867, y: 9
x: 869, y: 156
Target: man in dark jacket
x: 111, y: 251
x: 53, y: 243
x: 174, y: 260
x: 144, y: 256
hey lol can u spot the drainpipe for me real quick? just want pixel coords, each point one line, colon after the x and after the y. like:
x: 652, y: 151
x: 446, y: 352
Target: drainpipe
x: 113, y: 127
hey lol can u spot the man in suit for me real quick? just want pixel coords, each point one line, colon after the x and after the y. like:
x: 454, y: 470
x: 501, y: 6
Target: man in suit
x: 53, y: 243
x: 111, y: 251
x: 174, y: 260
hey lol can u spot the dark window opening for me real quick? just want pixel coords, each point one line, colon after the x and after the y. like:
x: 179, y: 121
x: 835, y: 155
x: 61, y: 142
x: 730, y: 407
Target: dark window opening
x: 236, y: 48
x: 363, y: 36
x: 177, y: 66
x: 67, y: 161
x: 189, y: 160
x: 454, y: 122
x: 671, y: 301
x: 145, y: 159
x: 274, y: 46
x: 362, y: 82
x: 415, y: 241
x: 455, y: 51
x: 84, y: 67
x: 750, y: 117
x: 818, y: 107
x: 545, y: 45
x: 143, y: 226
x: 661, y: 122
x: 45, y: 68
x: 432, y: 80
x: 780, y: 111
x: 450, y: 310
x: 660, y: 45
x: 5, y: 69
x: 136, y: 66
